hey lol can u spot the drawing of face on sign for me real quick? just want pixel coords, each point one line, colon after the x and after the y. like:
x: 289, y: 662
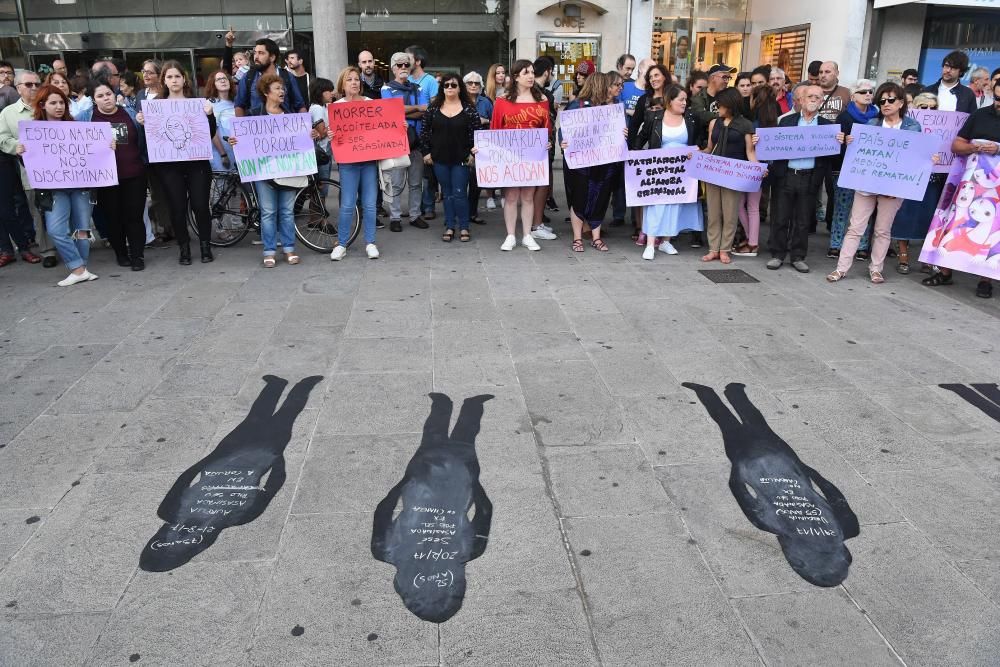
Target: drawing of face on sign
x: 444, y: 514
x: 986, y: 174
x: 176, y: 132
x: 983, y: 218
x: 231, y: 486
x: 779, y: 493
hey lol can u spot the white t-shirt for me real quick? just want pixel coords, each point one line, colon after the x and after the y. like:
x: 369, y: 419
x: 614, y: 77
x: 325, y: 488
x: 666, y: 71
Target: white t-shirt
x: 318, y: 113
x: 947, y: 100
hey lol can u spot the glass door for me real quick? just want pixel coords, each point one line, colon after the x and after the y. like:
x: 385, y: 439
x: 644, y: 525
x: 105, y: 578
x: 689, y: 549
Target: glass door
x: 135, y: 59
x: 568, y: 51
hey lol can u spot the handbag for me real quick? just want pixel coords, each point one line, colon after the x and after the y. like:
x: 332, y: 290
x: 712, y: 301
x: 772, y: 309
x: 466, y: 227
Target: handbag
x: 322, y: 157
x: 44, y: 200
x: 394, y: 163
x: 290, y: 182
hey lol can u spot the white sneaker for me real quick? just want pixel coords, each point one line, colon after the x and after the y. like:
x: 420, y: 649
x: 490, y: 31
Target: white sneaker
x: 372, y: 251
x: 338, y: 253
x: 502, y: 202
x: 75, y: 278
x: 649, y: 252
x: 546, y: 228
x: 543, y: 234
x: 491, y: 204
x: 530, y: 243
x: 509, y: 242
x: 665, y: 246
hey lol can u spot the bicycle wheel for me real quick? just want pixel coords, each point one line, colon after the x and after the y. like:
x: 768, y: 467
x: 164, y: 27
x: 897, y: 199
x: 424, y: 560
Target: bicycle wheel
x: 230, y: 209
x: 316, y: 216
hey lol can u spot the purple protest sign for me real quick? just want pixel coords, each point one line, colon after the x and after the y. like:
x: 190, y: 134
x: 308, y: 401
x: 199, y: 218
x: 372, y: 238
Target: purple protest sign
x: 882, y: 161
x: 61, y: 154
x: 512, y: 158
x: 273, y: 146
x: 596, y: 135
x: 176, y: 130
x: 659, y: 176
x: 803, y: 141
x: 944, y: 125
x: 726, y: 172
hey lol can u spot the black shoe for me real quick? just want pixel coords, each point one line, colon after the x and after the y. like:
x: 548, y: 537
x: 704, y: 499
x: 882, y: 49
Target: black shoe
x: 138, y: 264
x: 379, y: 224
x: 618, y: 222
x: 50, y: 262
x: 185, y: 257
x: 550, y: 204
x: 891, y: 252
x: 395, y: 226
x: 476, y: 220
x: 862, y: 256
x: 429, y: 215
x: 545, y: 218
x: 206, y: 252
x: 984, y: 290
x: 123, y: 260
x: 419, y: 224
x: 833, y: 253
x: 696, y: 240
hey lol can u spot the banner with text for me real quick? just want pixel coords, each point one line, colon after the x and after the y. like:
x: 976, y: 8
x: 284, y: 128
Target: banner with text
x: 659, y: 176
x: 512, y: 158
x: 64, y: 155
x: 363, y: 131
x: 273, y: 146
x: 727, y: 172
x: 881, y: 161
x: 792, y: 143
x: 595, y: 135
x: 176, y: 130
x: 965, y: 231
x: 945, y: 126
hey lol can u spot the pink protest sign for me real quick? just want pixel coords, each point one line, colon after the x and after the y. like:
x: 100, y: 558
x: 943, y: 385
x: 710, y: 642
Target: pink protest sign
x: 512, y: 158
x: 726, y: 172
x: 659, y: 176
x: 176, y: 130
x: 67, y: 154
x: 944, y: 126
x: 595, y: 135
x: 883, y: 161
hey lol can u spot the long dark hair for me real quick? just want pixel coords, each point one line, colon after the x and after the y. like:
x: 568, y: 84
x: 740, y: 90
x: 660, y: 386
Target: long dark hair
x: 696, y: 75
x: 512, y: 74
x: 764, y: 106
x: 318, y: 87
x: 173, y: 64
x: 463, y: 94
x: 896, y: 90
x: 732, y: 100
x: 667, y: 79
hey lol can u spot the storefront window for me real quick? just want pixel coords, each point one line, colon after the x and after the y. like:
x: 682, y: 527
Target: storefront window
x: 690, y: 36
x: 568, y: 51
x: 785, y: 49
x: 975, y: 32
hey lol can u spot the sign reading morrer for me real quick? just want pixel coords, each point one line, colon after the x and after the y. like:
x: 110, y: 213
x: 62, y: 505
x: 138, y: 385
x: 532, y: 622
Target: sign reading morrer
x: 68, y: 154
x: 176, y: 130
x: 371, y: 130
x: 274, y: 146
x: 894, y: 163
x: 596, y: 135
x: 512, y: 158
x: 659, y: 176
x: 726, y: 172
x: 791, y: 143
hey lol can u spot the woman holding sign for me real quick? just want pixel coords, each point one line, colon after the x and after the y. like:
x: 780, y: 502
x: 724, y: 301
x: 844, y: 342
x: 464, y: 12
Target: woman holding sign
x: 522, y: 108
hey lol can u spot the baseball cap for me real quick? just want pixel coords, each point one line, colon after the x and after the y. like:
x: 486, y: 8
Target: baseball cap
x: 586, y: 68
x: 721, y: 67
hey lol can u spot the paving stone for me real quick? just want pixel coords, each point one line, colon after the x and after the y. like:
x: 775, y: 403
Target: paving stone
x: 202, y: 299
x: 120, y: 383
x: 319, y: 310
x: 532, y: 315
x: 195, y: 379
x: 471, y: 354
x: 48, y: 640
x: 161, y: 337
x: 984, y: 575
x: 381, y: 403
x: 385, y: 355
x: 409, y: 318
x: 16, y: 528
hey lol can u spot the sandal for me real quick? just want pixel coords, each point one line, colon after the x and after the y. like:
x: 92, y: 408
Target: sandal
x: 464, y: 236
x: 599, y: 244
x: 640, y: 239
x: 291, y: 258
x: 269, y: 262
x: 904, y: 263
x: 725, y: 258
x: 936, y: 279
x: 876, y: 277
x: 577, y: 245
x: 710, y: 257
x: 836, y: 276
x: 448, y: 235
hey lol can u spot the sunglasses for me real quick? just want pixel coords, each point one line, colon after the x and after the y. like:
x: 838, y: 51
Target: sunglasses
x: 864, y: 92
x: 30, y: 84
x: 450, y: 84
x: 402, y: 65
x: 887, y: 100
x: 473, y: 83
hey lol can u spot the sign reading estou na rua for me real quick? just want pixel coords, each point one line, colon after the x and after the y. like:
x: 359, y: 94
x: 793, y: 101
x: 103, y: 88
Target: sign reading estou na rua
x: 274, y: 146
x: 596, y: 135
x: 60, y: 155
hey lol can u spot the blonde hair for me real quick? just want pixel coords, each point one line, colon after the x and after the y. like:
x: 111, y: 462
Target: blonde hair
x: 342, y: 79
x: 491, y: 81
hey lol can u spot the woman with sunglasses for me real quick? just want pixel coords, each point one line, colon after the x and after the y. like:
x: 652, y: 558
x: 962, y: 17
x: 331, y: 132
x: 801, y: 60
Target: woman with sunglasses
x: 891, y: 100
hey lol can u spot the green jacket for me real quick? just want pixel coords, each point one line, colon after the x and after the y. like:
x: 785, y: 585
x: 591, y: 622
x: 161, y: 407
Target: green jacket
x: 704, y: 111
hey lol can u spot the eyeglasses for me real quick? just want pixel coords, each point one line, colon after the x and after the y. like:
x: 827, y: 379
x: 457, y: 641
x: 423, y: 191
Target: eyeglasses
x: 450, y: 84
x: 30, y: 84
x: 887, y: 100
x: 924, y: 106
x: 864, y: 92
x: 473, y: 83
x: 150, y: 72
x: 402, y: 65
x: 221, y: 79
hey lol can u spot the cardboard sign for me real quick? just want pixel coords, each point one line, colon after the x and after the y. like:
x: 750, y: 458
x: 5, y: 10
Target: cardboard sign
x: 944, y: 125
x: 363, y: 131
x: 727, y: 172
x: 61, y: 155
x: 273, y: 146
x: 176, y: 130
x: 512, y: 158
x: 595, y: 135
x: 791, y: 143
x: 659, y: 176
x: 881, y: 161
x: 965, y: 231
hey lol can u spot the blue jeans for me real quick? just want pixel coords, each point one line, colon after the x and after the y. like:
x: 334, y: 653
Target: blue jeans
x: 70, y: 214
x: 454, y: 180
x: 429, y: 194
x: 277, y: 217
x: 323, y: 173
x: 355, y: 176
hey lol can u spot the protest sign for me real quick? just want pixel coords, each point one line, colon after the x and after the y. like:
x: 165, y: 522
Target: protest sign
x: 944, y: 125
x: 512, y: 158
x: 176, y: 130
x: 60, y: 155
x: 727, y: 172
x: 273, y: 146
x: 595, y: 135
x: 659, y: 176
x: 965, y: 231
x: 373, y: 130
x: 791, y: 143
x: 881, y: 161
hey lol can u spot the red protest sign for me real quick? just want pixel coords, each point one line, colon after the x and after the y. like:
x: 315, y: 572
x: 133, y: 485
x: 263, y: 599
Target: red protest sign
x: 372, y: 130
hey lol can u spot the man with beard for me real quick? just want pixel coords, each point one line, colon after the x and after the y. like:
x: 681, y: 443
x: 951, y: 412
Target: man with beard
x: 795, y: 184
x: 265, y: 61
x: 371, y: 82
x: 296, y: 66
x: 951, y: 94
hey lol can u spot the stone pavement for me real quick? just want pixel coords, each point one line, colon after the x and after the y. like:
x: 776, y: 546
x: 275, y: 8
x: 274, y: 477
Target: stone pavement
x: 615, y: 537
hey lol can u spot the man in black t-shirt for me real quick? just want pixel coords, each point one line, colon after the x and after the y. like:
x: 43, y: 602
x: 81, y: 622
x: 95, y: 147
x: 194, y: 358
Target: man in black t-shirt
x: 296, y: 66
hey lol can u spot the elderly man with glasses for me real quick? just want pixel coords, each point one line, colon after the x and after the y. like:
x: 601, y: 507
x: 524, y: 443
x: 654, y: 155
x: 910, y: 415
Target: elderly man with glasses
x: 11, y: 185
x: 415, y: 101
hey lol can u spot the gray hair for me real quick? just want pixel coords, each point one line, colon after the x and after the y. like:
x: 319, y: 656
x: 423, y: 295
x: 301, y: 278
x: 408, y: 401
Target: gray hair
x: 979, y: 71
x: 399, y: 57
x: 777, y: 70
x: 21, y: 73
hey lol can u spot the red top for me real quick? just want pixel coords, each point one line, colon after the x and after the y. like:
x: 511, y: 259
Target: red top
x: 520, y: 115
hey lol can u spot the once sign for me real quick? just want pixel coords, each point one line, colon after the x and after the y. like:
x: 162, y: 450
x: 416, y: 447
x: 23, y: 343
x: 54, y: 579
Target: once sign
x: 943, y: 125
x: 790, y: 143
x: 726, y: 172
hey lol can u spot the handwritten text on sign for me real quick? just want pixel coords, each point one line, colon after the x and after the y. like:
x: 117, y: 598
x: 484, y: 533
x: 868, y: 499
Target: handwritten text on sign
x: 945, y: 126
x: 274, y: 146
x: 895, y: 163
x: 659, y: 176
x: 364, y: 131
x: 512, y: 158
x: 739, y: 175
x: 791, y: 143
x: 68, y: 155
x: 595, y: 135
x: 176, y: 130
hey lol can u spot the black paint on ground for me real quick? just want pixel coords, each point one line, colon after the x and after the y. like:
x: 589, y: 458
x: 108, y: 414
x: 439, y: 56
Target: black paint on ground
x: 987, y: 399
x: 728, y: 276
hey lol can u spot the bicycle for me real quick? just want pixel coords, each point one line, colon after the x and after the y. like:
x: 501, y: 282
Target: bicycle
x: 234, y: 211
